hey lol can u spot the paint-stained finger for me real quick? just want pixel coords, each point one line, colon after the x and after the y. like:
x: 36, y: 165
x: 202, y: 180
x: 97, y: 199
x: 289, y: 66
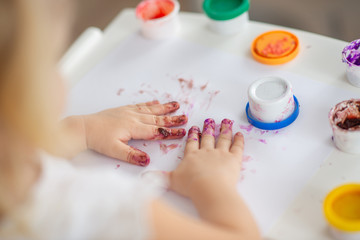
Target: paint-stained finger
x: 168, y: 133
x: 151, y: 132
x: 121, y: 151
x: 158, y: 109
x: 155, y: 102
x: 164, y: 121
x: 193, y: 141
x: 238, y: 145
x: 225, y: 137
x: 208, y: 134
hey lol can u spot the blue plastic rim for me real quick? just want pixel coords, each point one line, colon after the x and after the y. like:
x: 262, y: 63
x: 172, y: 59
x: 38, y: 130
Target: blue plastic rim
x: 273, y: 126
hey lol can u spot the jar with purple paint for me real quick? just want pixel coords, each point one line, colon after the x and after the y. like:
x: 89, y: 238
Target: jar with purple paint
x: 351, y: 56
x: 345, y: 122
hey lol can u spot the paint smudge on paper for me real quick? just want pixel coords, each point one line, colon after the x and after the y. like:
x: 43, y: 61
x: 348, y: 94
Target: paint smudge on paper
x: 117, y: 166
x: 247, y: 158
x: 120, y: 91
x: 167, y: 148
x: 186, y: 83
x: 263, y: 141
x: 247, y: 128
x: 203, y: 87
x: 212, y: 94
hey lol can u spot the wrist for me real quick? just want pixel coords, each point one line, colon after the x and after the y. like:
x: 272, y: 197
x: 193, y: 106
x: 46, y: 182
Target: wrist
x: 75, y: 126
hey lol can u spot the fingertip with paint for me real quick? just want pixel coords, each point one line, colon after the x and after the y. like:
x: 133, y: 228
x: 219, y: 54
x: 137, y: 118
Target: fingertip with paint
x: 139, y: 158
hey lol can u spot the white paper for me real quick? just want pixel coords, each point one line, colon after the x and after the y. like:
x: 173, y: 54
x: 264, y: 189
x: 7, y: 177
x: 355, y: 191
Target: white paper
x: 277, y: 164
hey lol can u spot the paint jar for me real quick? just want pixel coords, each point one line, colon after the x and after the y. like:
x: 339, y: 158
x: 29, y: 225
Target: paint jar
x: 275, y: 47
x: 345, y: 123
x: 227, y: 16
x: 159, y: 18
x: 351, y: 56
x: 342, y: 211
x: 272, y: 104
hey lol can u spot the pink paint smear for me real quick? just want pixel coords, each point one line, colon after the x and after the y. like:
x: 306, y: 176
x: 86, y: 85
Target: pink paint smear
x: 167, y: 148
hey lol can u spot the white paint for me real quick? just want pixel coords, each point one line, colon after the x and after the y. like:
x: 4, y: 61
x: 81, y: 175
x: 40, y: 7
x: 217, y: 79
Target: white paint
x: 271, y: 90
x: 271, y: 99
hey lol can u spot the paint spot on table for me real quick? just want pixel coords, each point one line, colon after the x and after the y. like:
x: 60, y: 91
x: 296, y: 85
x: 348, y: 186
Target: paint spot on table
x: 167, y: 148
x: 120, y: 91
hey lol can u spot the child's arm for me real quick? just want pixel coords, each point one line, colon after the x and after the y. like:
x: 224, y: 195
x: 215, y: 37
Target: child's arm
x: 109, y: 131
x: 208, y: 176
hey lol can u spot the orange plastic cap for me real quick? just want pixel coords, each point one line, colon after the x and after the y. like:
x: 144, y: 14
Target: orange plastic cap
x: 275, y: 47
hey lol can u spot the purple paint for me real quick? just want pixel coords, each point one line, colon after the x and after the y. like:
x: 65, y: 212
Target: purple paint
x: 263, y: 141
x: 351, y: 53
x: 209, y: 127
x: 247, y: 128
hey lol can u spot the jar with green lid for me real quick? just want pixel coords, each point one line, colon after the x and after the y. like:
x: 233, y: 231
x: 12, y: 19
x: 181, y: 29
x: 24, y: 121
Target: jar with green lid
x: 227, y: 16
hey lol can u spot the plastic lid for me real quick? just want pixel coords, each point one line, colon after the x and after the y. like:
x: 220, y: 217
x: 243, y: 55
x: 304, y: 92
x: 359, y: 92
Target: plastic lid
x: 276, y: 125
x: 225, y: 9
x: 342, y: 207
x: 275, y: 47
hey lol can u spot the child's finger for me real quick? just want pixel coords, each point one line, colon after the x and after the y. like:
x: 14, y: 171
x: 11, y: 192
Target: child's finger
x: 150, y: 132
x: 158, y: 109
x: 238, y: 145
x: 193, y: 139
x: 208, y: 134
x: 164, y: 121
x: 225, y: 137
x: 155, y: 102
x: 121, y: 151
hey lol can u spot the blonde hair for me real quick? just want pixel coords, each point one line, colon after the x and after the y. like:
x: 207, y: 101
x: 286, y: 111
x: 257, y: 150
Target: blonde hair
x: 27, y: 115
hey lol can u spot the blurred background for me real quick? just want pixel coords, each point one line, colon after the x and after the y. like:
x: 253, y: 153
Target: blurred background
x: 334, y: 18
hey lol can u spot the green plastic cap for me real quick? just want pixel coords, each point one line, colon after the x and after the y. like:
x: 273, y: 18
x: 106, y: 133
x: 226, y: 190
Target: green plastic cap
x: 225, y: 9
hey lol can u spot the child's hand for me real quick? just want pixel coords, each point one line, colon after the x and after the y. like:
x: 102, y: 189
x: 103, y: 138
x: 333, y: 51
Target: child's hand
x: 109, y: 131
x: 206, y: 165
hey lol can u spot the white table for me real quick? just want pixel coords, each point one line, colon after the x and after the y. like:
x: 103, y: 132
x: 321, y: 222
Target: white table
x: 320, y: 59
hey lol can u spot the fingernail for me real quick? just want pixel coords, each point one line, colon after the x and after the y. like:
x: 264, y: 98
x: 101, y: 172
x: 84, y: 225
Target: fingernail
x: 209, y: 127
x: 139, y: 158
x: 176, y: 121
x: 226, y: 123
x: 194, y: 130
x: 172, y: 106
x: 181, y: 119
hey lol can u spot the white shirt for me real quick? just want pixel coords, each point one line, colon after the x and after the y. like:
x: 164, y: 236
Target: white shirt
x: 72, y: 204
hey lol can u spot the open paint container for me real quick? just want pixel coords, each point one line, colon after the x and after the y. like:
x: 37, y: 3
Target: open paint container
x: 227, y: 16
x: 272, y: 104
x: 345, y: 123
x: 159, y: 18
x: 351, y: 56
x: 342, y: 211
x: 275, y: 47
